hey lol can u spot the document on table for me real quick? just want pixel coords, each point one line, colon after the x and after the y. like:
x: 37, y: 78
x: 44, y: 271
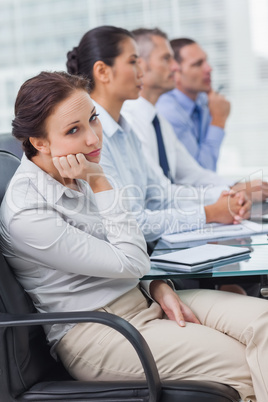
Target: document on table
x: 216, y: 231
x: 199, y: 258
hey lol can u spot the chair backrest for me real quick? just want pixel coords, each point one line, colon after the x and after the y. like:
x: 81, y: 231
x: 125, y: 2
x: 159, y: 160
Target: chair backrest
x: 8, y: 165
x: 26, y: 349
x: 11, y: 144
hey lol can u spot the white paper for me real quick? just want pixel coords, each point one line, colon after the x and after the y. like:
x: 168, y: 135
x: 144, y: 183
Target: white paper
x: 216, y: 231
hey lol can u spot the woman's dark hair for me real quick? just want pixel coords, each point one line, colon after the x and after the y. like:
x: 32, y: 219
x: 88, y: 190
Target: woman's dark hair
x: 99, y: 44
x: 36, y: 101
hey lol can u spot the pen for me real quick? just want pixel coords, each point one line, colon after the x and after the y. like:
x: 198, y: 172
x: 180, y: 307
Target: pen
x: 220, y: 88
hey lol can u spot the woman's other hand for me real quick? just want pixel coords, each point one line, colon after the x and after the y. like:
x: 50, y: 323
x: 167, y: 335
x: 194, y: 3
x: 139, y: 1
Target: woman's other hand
x: 171, y: 304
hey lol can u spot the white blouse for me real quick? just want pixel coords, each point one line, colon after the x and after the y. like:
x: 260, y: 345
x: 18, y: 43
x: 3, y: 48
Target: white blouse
x: 71, y: 250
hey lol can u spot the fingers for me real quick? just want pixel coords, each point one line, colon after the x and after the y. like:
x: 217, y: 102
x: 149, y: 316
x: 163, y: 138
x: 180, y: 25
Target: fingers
x: 241, y: 197
x: 171, y: 304
x: 171, y: 307
x: 257, y: 190
x: 81, y: 158
x: 194, y: 320
x: 244, y: 212
x: 179, y: 318
x: 188, y: 314
x: 57, y: 164
x: 67, y: 165
x: 234, y: 207
x: 68, y: 162
x: 61, y: 163
x: 180, y: 312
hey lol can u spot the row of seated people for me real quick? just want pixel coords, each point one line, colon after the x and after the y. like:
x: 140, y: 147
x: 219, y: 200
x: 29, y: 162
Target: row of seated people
x: 85, y: 198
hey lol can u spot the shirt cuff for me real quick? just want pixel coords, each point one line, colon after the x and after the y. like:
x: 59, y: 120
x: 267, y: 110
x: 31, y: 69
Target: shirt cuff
x: 215, y: 134
x: 145, y: 286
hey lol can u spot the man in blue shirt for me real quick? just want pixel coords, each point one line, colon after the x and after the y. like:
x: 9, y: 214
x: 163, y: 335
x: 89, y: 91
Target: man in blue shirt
x: 197, y: 113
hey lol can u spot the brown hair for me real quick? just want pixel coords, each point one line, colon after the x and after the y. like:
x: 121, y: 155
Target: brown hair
x: 36, y: 101
x: 178, y: 44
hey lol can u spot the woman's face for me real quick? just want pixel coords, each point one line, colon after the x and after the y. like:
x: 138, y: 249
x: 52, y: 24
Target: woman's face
x: 74, y: 128
x: 126, y: 73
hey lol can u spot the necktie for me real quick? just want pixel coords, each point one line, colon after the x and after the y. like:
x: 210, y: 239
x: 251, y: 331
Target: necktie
x: 196, y: 117
x: 161, y: 148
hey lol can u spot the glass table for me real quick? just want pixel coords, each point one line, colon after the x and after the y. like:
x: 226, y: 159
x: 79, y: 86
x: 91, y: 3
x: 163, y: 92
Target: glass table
x: 256, y: 240
x: 256, y: 265
x: 259, y: 214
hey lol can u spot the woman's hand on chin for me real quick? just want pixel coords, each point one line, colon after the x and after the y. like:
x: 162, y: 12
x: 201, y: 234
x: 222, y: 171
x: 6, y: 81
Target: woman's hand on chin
x: 78, y: 167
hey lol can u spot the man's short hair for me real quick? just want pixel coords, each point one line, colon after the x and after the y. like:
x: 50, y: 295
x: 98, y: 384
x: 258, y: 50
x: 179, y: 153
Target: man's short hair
x: 178, y: 44
x: 144, y: 39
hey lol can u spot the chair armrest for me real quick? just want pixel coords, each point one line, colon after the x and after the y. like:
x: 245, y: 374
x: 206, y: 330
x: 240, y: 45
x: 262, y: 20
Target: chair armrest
x: 111, y: 320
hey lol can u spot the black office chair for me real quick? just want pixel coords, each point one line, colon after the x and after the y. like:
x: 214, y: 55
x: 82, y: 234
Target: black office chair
x: 29, y: 373
x: 10, y: 144
x: 8, y: 165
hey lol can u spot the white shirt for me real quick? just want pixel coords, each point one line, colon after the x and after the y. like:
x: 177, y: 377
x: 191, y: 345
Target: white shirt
x: 71, y: 250
x: 159, y: 206
x: 183, y: 167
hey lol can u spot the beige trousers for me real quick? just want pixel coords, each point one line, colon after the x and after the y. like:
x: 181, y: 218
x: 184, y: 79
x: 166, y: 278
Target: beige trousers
x: 230, y: 347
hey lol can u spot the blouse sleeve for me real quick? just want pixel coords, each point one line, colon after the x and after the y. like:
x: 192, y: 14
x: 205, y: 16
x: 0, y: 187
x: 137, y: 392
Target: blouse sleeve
x: 47, y: 239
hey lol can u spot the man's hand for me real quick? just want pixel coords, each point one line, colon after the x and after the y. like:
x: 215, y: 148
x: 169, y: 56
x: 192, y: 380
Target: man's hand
x: 219, y: 109
x: 256, y: 190
x: 171, y: 304
x: 78, y: 167
x: 230, y: 208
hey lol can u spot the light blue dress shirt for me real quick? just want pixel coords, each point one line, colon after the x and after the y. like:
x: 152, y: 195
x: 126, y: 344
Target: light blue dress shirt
x: 159, y: 206
x: 204, y: 145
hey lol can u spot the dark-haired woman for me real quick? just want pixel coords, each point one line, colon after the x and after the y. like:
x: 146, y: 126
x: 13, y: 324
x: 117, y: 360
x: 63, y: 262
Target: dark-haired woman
x: 71, y: 245
x: 109, y: 57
